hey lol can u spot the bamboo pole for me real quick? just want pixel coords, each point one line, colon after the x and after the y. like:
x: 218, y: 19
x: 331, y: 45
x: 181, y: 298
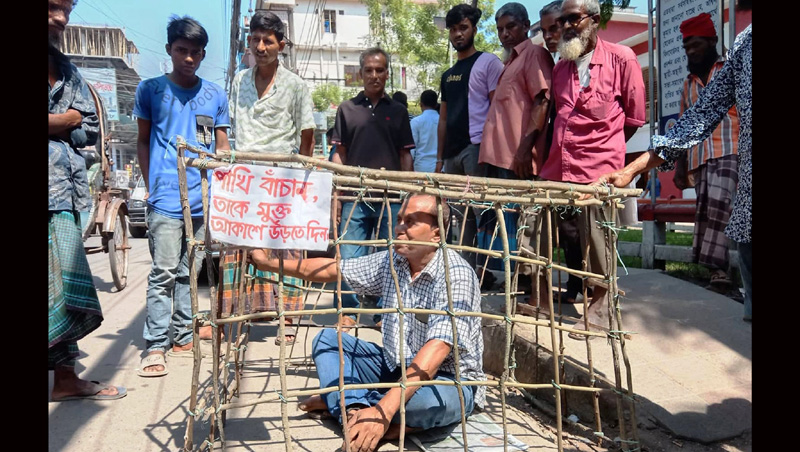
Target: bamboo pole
x: 401, y: 349
x: 441, y: 178
x: 614, y: 300
x: 272, y: 397
x: 501, y: 225
x: 213, y: 311
x: 596, y: 398
x: 449, y: 287
x: 549, y: 278
x: 611, y: 266
x: 287, y: 434
x: 342, y: 404
x: 189, y: 233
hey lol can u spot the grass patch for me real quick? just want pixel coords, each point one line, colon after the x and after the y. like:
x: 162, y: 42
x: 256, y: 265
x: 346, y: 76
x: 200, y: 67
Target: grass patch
x: 673, y: 237
x: 688, y: 271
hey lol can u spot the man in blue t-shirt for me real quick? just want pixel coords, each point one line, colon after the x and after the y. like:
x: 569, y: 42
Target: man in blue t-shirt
x: 176, y: 104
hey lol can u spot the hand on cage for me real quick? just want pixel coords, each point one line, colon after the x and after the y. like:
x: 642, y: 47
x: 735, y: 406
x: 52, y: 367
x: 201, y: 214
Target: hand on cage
x: 365, y: 428
x: 523, y: 164
x: 260, y: 259
x: 619, y: 179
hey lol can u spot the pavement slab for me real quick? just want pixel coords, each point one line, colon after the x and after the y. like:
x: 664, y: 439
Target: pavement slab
x: 691, y: 360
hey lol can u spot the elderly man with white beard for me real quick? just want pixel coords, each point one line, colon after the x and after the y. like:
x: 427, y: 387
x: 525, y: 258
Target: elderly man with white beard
x: 600, y: 103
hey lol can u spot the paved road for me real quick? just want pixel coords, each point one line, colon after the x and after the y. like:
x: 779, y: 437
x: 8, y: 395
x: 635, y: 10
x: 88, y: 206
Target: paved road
x: 152, y: 417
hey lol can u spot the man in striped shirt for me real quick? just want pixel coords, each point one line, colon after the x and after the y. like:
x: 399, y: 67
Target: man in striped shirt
x: 712, y: 163
x: 416, y: 276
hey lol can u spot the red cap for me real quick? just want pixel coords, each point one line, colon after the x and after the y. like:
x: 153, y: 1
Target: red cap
x: 699, y: 25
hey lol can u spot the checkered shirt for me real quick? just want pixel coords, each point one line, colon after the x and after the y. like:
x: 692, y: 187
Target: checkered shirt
x: 371, y: 275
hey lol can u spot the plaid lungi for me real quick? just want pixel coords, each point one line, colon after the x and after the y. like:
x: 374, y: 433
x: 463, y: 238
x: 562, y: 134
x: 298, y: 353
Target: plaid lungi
x: 73, y: 307
x: 715, y: 184
x: 259, y: 294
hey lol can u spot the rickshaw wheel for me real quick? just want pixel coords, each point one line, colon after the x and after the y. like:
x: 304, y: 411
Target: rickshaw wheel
x: 118, y: 251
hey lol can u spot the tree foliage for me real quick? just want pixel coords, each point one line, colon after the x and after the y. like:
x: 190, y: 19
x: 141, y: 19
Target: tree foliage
x: 414, y: 35
x: 607, y: 10
x: 327, y: 95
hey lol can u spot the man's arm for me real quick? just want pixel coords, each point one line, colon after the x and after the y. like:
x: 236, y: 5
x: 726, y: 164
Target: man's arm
x: 368, y: 425
x: 221, y: 137
x: 523, y: 159
x: 404, y: 138
x: 340, y: 156
x: 60, y: 124
x: 318, y: 269
x: 406, y: 162
x: 307, y: 142
x: 623, y: 177
x: 441, y: 133
x: 143, y: 152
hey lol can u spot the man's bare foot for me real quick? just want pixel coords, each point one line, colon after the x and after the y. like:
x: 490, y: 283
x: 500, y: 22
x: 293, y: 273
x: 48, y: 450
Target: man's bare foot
x: 182, y: 348
x: 347, y: 324
x: 66, y: 384
x: 313, y: 403
x: 205, y: 332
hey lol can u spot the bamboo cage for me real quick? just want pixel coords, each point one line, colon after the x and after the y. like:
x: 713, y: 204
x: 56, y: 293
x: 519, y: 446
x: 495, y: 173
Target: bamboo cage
x: 212, y: 400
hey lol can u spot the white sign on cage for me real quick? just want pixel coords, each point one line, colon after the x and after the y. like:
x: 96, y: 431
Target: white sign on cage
x: 270, y: 207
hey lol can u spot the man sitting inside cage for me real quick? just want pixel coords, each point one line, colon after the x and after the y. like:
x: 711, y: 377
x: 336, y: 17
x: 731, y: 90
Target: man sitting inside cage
x: 373, y: 415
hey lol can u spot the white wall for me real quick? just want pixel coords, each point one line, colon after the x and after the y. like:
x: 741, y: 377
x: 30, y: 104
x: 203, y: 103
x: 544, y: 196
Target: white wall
x: 351, y: 27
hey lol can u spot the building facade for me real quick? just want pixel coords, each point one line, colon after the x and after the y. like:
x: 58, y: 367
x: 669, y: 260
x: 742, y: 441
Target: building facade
x: 108, y: 60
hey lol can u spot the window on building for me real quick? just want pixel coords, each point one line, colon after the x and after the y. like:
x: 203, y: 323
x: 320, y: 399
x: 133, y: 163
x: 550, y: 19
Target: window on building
x: 352, y: 76
x: 329, y: 20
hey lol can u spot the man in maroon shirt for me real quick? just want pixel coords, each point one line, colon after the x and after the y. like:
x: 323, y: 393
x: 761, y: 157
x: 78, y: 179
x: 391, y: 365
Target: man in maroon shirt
x: 600, y: 103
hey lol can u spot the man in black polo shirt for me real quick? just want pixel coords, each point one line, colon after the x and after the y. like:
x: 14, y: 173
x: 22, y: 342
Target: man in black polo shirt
x: 371, y: 131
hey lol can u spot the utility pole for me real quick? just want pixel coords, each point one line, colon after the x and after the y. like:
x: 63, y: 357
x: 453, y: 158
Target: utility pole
x: 234, y: 43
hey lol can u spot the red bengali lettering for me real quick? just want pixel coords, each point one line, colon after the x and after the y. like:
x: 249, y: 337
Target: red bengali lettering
x: 273, y: 211
x: 240, y: 177
x: 219, y: 224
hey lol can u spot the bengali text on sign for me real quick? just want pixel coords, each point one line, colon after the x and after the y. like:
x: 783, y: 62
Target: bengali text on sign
x: 270, y: 207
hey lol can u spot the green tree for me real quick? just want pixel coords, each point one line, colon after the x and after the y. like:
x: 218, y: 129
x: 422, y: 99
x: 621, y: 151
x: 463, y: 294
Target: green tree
x: 607, y: 9
x: 410, y: 33
x: 326, y: 95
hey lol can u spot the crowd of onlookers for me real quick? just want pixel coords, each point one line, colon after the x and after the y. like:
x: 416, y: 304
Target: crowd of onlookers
x: 560, y: 112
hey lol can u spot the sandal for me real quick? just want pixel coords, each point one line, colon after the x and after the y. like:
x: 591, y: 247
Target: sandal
x: 319, y: 415
x: 287, y: 331
x: 153, y: 359
x: 720, y: 279
x: 121, y: 392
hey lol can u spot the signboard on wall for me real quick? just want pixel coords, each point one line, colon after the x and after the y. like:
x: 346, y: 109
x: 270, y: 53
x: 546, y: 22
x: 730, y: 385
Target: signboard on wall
x: 104, y: 81
x: 671, y: 56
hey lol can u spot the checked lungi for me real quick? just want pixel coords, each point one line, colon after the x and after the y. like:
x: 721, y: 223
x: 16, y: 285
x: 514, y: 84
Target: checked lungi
x: 259, y: 294
x: 73, y: 306
x: 715, y: 184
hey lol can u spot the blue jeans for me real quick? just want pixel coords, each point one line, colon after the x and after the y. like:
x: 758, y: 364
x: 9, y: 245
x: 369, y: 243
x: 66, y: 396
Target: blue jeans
x: 430, y: 406
x: 362, y: 226
x: 746, y: 270
x: 168, y: 296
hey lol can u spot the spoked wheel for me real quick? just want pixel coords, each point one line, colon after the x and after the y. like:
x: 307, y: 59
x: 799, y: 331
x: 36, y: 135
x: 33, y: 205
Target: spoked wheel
x: 118, y: 251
